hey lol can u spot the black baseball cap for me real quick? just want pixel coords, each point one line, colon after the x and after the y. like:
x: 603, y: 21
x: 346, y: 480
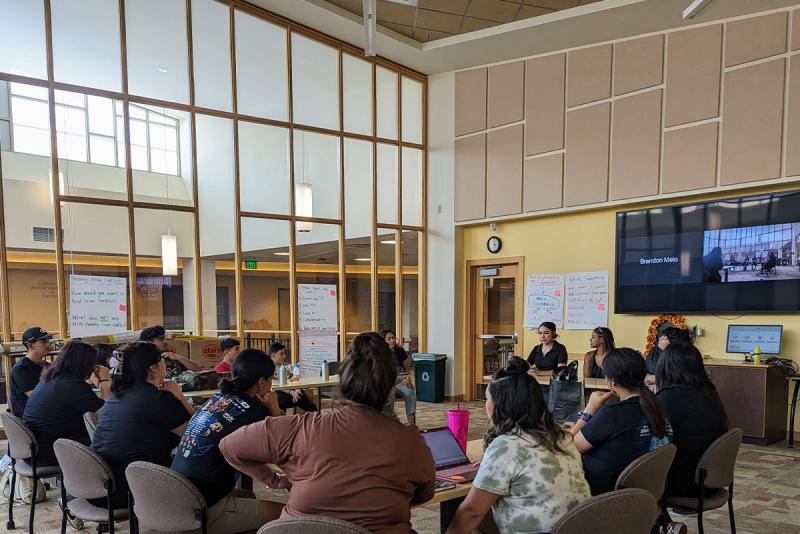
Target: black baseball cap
x: 35, y: 333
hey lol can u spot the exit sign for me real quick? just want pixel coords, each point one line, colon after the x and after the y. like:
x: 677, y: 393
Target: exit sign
x: 251, y: 264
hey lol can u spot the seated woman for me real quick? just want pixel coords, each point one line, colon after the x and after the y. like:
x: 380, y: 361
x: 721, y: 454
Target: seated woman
x: 531, y: 473
x: 351, y: 462
x: 602, y: 341
x: 611, y: 436
x: 668, y: 336
x: 549, y: 355
x: 57, y: 404
x: 695, y: 412
x: 404, y: 385
x: 243, y: 399
x: 293, y: 398
x: 143, y: 419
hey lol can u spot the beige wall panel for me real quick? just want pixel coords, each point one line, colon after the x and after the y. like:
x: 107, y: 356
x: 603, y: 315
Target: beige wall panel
x: 544, y: 104
x: 504, y: 171
x: 755, y: 38
x: 638, y: 64
x: 470, y: 101
x: 542, y: 183
x: 589, y: 75
x: 793, y: 123
x: 693, y: 75
x: 505, y: 93
x: 470, y: 178
x: 635, y: 146
x: 752, y: 123
x: 796, y: 30
x: 586, y: 163
x: 690, y: 158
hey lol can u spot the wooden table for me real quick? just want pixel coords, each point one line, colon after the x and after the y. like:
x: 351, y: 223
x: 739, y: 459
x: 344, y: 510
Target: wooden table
x: 449, y: 499
x: 304, y: 383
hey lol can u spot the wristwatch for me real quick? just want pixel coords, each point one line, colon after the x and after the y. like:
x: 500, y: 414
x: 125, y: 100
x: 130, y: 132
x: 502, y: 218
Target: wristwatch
x: 585, y: 416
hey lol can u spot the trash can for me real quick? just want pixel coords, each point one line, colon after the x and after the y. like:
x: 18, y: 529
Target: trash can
x: 429, y: 372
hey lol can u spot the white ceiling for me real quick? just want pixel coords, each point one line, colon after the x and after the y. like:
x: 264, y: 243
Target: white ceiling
x: 596, y: 22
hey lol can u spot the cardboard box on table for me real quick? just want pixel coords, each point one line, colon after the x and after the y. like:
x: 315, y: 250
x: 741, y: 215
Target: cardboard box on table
x: 202, y: 350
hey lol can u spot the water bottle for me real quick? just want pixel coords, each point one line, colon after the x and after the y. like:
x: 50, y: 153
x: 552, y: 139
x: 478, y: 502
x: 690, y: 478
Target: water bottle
x: 282, y: 375
x: 324, y: 370
x: 296, y: 371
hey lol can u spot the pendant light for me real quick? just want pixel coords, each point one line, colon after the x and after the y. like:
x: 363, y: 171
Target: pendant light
x: 303, y: 195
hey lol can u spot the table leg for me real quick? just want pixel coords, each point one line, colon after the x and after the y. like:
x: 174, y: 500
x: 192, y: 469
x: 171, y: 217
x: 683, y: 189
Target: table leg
x: 794, y: 410
x: 447, y: 511
x: 319, y: 398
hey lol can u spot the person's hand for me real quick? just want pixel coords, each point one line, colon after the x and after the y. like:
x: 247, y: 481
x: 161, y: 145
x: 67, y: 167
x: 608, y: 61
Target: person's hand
x: 597, y: 400
x: 568, y: 426
x: 477, y: 463
x: 295, y: 393
x: 101, y: 372
x: 270, y: 400
x: 532, y: 371
x: 172, y: 387
x: 407, y: 383
x: 280, y: 481
x: 170, y: 356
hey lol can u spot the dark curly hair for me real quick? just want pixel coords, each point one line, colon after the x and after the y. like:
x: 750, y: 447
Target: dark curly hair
x: 368, y: 374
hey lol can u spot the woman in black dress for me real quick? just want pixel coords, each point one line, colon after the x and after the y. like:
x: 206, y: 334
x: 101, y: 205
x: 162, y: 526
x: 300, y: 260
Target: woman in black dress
x: 549, y: 355
x: 602, y: 341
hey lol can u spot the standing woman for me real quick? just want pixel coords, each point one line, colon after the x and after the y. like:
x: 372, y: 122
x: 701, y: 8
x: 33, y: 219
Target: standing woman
x: 602, y: 341
x: 549, y: 354
x: 404, y: 385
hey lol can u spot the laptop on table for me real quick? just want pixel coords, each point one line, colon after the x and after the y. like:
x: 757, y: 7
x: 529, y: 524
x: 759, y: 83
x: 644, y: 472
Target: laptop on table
x: 451, y: 462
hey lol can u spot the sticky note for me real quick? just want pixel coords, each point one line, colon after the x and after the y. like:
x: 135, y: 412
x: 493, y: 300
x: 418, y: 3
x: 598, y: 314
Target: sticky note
x: 601, y: 306
x: 557, y: 293
x: 123, y: 308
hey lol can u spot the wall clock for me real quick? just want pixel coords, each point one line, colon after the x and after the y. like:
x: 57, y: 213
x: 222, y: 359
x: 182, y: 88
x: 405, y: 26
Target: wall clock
x: 494, y: 244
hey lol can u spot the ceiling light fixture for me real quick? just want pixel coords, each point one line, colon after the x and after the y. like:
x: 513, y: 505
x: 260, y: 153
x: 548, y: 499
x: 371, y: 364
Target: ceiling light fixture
x: 370, y: 27
x: 363, y: 259
x: 281, y: 253
x: 694, y: 9
x: 389, y: 242
x: 169, y: 255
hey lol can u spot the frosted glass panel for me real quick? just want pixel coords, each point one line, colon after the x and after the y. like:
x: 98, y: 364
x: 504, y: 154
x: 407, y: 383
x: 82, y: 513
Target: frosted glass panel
x: 212, y: 54
x: 357, y: 95
x: 412, y: 110
x: 264, y: 168
x: 22, y: 39
x: 315, y: 83
x: 316, y: 163
x: 412, y: 186
x: 215, y: 185
x: 261, y: 77
x: 157, y: 49
x: 387, y: 103
x: 387, y: 184
x: 72, y: 41
x: 358, y: 188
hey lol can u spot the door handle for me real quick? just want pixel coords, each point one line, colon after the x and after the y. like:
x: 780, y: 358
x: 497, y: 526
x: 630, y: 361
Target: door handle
x: 514, y: 336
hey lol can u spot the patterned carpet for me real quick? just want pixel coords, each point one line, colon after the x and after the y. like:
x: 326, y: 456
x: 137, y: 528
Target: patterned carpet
x: 767, y: 490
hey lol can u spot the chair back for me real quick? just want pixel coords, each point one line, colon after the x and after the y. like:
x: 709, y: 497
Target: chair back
x: 21, y: 440
x: 625, y: 511
x: 649, y: 471
x: 164, y: 500
x: 719, y: 460
x: 90, y: 420
x: 86, y: 474
x: 311, y: 524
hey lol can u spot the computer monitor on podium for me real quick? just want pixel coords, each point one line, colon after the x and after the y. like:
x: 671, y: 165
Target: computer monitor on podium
x: 743, y: 338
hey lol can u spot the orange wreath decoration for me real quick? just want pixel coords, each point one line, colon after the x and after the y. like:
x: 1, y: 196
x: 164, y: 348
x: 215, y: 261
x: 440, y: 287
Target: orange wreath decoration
x: 678, y: 321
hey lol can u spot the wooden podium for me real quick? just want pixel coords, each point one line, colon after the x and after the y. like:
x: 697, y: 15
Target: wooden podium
x: 754, y: 397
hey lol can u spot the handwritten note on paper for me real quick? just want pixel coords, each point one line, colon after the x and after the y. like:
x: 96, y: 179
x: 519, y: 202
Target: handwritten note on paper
x: 587, y: 300
x: 544, y: 299
x: 98, y: 305
x: 316, y: 314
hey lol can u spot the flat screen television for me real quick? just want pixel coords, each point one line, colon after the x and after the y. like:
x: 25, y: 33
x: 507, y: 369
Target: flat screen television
x: 733, y: 255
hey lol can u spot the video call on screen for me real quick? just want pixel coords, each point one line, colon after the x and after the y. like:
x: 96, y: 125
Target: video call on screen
x: 731, y: 255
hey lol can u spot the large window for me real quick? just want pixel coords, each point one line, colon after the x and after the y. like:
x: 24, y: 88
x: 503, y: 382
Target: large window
x: 236, y: 157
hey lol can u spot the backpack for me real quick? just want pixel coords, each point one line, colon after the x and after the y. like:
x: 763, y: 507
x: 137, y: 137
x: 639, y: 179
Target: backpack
x: 198, y: 380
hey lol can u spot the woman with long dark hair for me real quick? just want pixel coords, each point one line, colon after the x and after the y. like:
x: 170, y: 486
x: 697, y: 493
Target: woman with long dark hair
x: 531, y: 473
x: 143, y: 419
x: 602, y: 341
x: 695, y: 411
x: 57, y: 404
x: 611, y: 436
x: 243, y: 399
x: 351, y: 462
x: 549, y: 355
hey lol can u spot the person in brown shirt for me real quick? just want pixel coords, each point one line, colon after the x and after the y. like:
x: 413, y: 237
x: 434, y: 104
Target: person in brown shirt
x: 352, y: 462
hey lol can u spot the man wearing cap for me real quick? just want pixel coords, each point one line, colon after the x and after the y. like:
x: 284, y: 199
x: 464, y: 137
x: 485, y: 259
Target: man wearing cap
x: 26, y: 372
x: 176, y: 364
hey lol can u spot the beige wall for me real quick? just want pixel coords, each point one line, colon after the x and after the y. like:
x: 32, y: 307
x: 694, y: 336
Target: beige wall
x: 697, y: 110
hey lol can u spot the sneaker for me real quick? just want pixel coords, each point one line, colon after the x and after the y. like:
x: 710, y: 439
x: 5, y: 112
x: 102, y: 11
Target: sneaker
x: 680, y: 510
x: 73, y: 521
x: 675, y: 528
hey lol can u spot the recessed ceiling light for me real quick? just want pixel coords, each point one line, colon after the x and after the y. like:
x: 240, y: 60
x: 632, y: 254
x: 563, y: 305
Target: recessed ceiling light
x: 388, y: 242
x: 281, y: 253
x: 363, y: 259
x: 159, y: 69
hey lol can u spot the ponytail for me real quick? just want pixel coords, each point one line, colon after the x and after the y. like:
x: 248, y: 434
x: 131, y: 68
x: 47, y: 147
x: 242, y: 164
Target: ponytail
x: 626, y: 367
x: 249, y: 367
x: 134, y: 366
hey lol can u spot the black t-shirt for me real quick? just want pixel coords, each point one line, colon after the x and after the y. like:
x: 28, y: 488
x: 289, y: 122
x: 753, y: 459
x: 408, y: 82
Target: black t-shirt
x: 696, y: 423
x: 55, y: 410
x: 550, y: 361
x: 619, y: 434
x: 651, y: 362
x: 198, y: 457
x: 24, y: 377
x: 595, y: 371
x: 137, y: 426
x: 400, y: 357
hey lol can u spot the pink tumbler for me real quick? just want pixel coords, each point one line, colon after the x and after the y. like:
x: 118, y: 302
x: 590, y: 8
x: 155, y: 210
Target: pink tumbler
x: 458, y: 423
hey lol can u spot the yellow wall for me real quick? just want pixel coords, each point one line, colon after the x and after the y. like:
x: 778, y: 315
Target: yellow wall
x: 585, y: 241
